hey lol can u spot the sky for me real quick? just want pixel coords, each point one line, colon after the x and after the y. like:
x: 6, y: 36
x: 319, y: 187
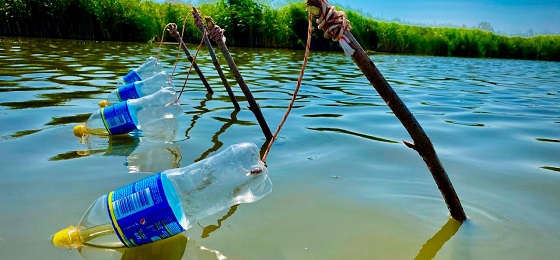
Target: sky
x: 508, y: 17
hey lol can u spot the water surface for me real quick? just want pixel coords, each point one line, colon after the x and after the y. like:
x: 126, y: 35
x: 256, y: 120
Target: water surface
x: 344, y: 184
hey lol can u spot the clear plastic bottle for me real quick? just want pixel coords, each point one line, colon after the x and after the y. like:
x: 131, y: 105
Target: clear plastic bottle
x: 139, y: 88
x: 167, y: 203
x: 150, y: 67
x: 154, y: 115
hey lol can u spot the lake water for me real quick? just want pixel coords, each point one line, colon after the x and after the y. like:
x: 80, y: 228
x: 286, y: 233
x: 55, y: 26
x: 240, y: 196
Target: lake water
x: 344, y: 185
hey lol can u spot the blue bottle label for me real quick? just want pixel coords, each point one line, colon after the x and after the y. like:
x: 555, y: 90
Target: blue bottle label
x: 140, y: 212
x: 127, y: 92
x: 117, y: 119
x: 132, y: 76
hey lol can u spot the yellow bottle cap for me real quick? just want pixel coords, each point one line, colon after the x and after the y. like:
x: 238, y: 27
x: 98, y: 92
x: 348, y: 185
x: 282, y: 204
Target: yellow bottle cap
x: 103, y: 103
x: 80, y: 130
x: 67, y: 238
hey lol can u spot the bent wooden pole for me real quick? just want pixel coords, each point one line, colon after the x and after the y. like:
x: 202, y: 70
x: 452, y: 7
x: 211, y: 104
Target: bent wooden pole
x: 337, y: 27
x: 217, y: 35
x: 173, y: 31
x: 201, y: 27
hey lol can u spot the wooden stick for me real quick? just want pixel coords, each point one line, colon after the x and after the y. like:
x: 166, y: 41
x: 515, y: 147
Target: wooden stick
x: 422, y: 143
x: 173, y: 31
x: 253, y: 106
x: 202, y: 28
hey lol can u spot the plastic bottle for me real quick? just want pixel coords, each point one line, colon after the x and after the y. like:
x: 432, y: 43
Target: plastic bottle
x: 167, y: 203
x: 150, y: 67
x: 154, y: 115
x: 139, y: 88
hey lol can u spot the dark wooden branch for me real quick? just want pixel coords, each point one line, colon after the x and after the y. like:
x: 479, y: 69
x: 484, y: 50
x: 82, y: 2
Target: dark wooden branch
x: 202, y: 28
x: 409, y: 145
x: 173, y: 31
x: 253, y: 106
x: 422, y: 143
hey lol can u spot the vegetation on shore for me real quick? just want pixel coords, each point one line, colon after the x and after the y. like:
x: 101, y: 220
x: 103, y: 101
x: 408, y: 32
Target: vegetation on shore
x: 253, y: 23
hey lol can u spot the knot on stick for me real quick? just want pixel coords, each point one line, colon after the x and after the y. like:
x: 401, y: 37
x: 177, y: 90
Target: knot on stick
x: 197, y: 18
x: 172, y: 29
x: 333, y: 22
x: 214, y: 31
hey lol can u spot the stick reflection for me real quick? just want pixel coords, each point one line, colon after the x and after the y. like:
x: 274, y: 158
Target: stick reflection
x: 198, y: 114
x: 216, y: 136
x: 211, y: 228
x: 430, y: 249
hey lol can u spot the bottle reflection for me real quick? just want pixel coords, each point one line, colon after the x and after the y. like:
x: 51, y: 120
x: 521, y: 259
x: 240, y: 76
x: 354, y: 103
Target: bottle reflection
x: 141, y: 155
x: 119, y: 145
x: 154, y: 157
x: 173, y: 248
x: 434, y: 244
x: 169, y: 249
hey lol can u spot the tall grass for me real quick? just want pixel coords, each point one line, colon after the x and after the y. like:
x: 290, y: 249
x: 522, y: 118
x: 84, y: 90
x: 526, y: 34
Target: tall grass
x: 254, y: 23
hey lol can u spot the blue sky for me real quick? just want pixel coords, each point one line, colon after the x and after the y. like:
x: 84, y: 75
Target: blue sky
x: 508, y: 17
x: 511, y: 17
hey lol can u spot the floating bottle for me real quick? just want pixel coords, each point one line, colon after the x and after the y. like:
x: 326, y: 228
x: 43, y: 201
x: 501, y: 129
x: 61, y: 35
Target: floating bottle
x: 167, y: 203
x: 146, y: 70
x: 154, y: 115
x: 139, y: 89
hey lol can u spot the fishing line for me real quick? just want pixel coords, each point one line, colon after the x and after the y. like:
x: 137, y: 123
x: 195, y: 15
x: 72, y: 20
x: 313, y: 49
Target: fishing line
x: 302, y: 71
x: 190, y: 69
x: 172, y: 25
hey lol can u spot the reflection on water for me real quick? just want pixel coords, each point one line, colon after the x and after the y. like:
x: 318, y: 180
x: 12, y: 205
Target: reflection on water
x: 551, y: 168
x: 211, y: 228
x: 430, y: 249
x: 79, y: 118
x: 494, y: 123
x: 200, y: 110
x: 348, y: 132
x: 140, y: 155
x: 215, y: 138
x: 173, y: 248
x: 154, y: 157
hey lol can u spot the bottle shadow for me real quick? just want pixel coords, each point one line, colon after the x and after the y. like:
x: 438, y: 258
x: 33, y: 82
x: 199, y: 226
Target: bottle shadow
x: 430, y: 249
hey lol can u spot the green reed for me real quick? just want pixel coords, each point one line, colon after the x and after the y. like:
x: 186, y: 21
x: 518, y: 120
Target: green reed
x: 254, y: 23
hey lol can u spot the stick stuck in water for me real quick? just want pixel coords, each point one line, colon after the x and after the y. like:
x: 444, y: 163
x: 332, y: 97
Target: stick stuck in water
x: 217, y: 35
x: 173, y: 31
x: 337, y: 27
x: 202, y: 28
